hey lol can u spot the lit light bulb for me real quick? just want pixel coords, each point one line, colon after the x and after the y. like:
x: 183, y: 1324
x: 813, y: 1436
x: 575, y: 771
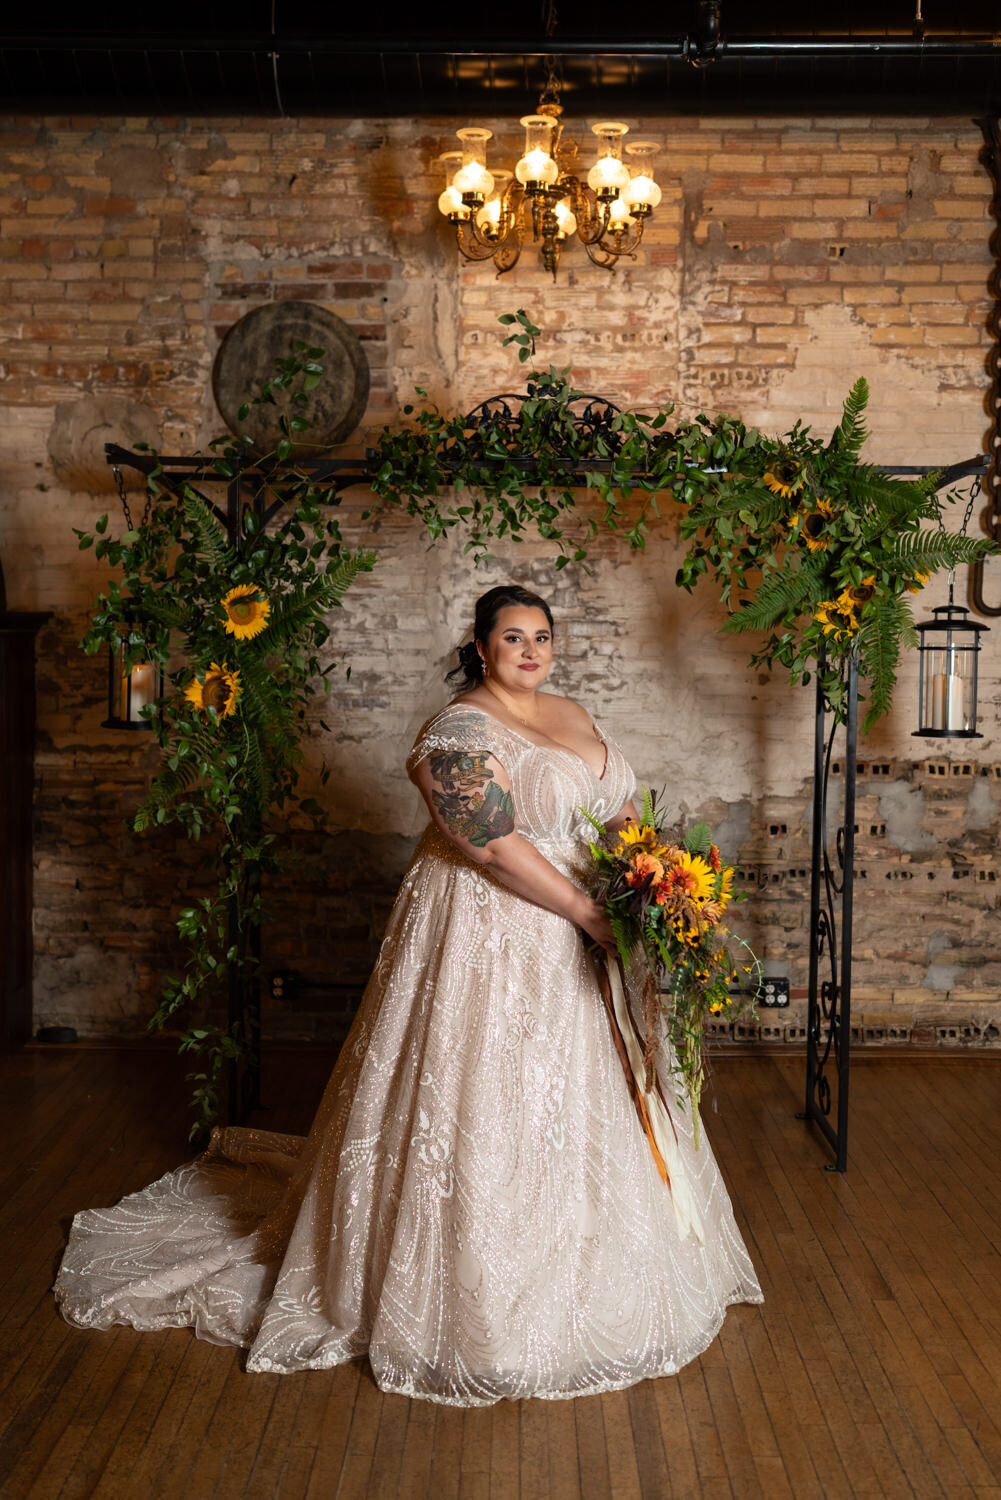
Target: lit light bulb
x: 619, y: 217
x: 473, y: 180
x: 451, y: 205
x: 609, y: 175
x: 536, y: 167
x: 565, y: 219
x: 642, y: 194
x: 450, y: 202
x: 488, y: 218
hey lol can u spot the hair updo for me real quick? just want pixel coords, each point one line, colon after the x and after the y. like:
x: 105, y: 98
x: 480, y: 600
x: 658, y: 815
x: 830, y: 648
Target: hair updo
x: 469, y: 672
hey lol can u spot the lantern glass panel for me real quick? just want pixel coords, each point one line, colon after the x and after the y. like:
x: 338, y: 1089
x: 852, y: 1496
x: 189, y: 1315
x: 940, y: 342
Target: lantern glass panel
x: 948, y: 686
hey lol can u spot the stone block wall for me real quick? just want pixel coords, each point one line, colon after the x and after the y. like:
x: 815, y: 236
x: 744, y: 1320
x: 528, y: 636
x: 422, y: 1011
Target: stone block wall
x: 788, y: 257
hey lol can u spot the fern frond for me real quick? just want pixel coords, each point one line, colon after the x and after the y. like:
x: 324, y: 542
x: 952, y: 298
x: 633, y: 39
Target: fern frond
x: 873, y: 487
x: 593, y: 821
x: 782, y: 592
x: 647, y: 813
x: 879, y: 643
x: 698, y: 838
x: 925, y: 551
x: 850, y: 434
x: 211, y: 540
x: 165, y: 610
x: 292, y: 610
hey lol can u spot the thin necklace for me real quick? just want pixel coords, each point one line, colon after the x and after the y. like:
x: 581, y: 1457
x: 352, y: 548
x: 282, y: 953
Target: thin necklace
x: 510, y: 710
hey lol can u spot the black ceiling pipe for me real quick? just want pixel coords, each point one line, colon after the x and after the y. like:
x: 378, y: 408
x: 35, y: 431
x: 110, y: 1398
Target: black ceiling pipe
x: 987, y: 45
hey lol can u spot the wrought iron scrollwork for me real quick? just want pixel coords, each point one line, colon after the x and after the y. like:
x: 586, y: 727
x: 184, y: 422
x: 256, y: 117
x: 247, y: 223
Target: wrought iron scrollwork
x: 580, y: 429
x: 828, y: 1030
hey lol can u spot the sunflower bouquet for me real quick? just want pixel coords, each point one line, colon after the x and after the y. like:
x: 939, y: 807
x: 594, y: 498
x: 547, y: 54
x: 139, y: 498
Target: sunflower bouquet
x: 666, y: 891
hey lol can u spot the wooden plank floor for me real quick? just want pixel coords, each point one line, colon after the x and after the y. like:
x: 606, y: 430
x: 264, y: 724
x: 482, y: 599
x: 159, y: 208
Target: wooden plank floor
x: 873, y: 1368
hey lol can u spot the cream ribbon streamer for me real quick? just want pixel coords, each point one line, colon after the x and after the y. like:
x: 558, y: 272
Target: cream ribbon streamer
x: 661, y: 1125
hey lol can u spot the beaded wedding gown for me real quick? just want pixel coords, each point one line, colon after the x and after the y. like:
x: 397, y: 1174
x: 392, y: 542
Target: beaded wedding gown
x: 476, y: 1207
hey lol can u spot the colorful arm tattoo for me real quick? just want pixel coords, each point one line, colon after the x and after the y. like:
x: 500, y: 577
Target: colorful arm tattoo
x: 470, y: 802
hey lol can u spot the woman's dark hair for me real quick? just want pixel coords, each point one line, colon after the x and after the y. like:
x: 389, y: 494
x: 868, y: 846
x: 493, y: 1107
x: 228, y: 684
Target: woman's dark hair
x: 469, y: 672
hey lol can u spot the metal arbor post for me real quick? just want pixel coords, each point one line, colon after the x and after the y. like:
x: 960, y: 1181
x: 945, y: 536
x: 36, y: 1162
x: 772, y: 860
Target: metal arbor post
x: 828, y: 1028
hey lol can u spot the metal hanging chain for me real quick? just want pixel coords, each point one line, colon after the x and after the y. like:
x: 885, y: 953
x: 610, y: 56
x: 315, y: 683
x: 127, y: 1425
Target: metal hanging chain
x: 975, y: 488
x: 123, y: 497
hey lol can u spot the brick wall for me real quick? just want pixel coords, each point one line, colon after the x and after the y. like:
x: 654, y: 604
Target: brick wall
x: 787, y: 258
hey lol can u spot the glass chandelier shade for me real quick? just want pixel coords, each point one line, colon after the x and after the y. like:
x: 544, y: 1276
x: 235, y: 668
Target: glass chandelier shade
x: 450, y: 202
x: 947, y: 685
x: 642, y: 194
x: 473, y: 180
x: 609, y: 175
x: 490, y: 219
x: 537, y: 169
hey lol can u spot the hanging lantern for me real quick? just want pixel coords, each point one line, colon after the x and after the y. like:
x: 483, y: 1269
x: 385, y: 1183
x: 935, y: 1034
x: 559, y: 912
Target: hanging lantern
x: 949, y: 647
x: 947, y: 686
x: 131, y: 689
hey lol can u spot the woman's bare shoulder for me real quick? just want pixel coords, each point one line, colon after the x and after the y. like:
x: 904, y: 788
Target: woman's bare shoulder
x: 567, y: 711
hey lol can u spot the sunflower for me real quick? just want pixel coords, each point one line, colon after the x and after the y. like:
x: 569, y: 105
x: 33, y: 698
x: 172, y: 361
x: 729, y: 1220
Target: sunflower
x: 862, y: 592
x: 920, y: 579
x: 637, y: 838
x: 812, y: 524
x: 837, y: 617
x: 726, y: 888
x: 689, y: 877
x: 220, y: 690
x: 247, y: 612
x: 785, y: 477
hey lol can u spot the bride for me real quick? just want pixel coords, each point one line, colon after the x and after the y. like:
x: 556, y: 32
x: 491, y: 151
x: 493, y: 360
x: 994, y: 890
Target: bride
x: 476, y: 1207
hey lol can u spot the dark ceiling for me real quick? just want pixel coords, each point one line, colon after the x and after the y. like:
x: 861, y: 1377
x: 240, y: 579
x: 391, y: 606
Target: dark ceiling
x: 867, y: 56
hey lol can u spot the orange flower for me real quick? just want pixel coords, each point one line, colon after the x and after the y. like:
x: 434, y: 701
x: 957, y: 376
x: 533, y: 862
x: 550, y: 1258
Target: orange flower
x: 643, y: 867
x: 715, y: 863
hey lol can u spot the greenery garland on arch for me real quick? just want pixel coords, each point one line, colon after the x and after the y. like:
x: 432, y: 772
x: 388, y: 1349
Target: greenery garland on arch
x: 805, y: 542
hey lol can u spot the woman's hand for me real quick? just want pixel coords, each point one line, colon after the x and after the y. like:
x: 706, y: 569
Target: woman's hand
x: 597, y: 926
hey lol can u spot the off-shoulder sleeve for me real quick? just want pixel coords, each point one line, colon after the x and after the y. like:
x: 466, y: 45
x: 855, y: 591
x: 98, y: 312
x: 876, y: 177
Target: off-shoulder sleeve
x: 462, y: 728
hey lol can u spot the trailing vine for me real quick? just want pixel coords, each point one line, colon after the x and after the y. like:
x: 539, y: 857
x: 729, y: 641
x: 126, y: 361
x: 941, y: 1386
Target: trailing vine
x: 246, y: 614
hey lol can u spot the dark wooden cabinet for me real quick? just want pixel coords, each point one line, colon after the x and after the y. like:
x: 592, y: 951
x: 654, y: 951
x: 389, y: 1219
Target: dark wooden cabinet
x: 17, y: 775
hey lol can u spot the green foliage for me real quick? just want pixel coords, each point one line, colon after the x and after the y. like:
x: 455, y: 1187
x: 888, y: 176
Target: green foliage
x: 227, y: 765
x: 810, y: 562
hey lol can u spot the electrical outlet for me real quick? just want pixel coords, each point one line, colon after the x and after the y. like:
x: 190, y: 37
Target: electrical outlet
x: 774, y: 991
x: 284, y: 986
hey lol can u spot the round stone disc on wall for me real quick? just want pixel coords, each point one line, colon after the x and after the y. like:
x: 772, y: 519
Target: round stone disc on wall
x: 246, y: 358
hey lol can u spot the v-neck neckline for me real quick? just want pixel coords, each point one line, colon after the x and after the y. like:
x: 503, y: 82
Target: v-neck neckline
x: 560, y: 749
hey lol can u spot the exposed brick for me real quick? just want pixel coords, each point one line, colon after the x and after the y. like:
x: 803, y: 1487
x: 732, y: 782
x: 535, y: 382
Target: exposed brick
x: 109, y: 207
x: 785, y: 259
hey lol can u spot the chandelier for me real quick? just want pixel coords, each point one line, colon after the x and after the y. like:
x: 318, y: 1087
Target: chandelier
x: 493, y: 213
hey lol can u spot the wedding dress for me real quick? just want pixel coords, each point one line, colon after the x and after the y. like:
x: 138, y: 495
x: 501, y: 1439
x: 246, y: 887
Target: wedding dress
x: 476, y: 1207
